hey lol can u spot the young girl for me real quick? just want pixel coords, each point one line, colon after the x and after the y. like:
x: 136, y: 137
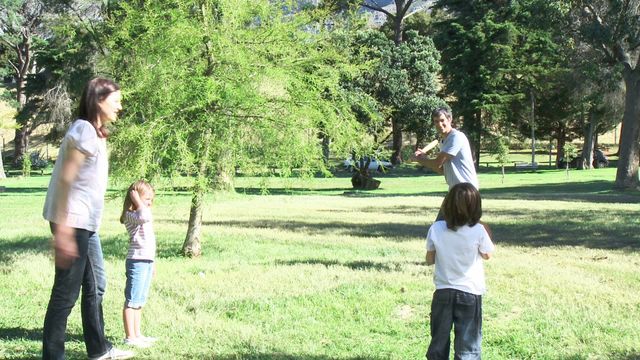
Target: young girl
x: 457, y: 246
x: 136, y: 217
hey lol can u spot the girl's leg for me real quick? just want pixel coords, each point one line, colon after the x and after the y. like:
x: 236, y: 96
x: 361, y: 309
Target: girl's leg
x: 128, y: 318
x: 138, y: 277
x: 137, y: 316
x: 130, y: 290
x: 146, y: 285
x: 467, y: 317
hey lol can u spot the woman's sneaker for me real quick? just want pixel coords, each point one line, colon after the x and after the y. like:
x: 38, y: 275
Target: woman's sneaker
x: 114, y: 354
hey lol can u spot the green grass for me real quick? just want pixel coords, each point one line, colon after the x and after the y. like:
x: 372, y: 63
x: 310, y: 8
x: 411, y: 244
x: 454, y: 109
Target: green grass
x: 317, y: 271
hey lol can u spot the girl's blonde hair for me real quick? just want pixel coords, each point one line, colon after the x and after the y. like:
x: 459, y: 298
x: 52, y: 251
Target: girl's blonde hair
x: 142, y: 187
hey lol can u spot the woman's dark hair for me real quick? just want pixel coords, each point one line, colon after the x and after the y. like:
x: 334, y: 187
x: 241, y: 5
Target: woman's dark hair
x: 462, y: 206
x: 96, y: 91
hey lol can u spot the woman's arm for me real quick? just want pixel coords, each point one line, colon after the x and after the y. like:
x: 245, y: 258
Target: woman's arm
x: 64, y: 242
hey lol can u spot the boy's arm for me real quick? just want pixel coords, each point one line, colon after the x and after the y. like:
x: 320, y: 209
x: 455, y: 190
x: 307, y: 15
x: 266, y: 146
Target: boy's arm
x: 486, y: 256
x: 488, y: 229
x: 431, y: 257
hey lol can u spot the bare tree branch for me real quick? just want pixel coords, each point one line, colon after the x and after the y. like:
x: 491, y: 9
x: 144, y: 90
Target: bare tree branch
x: 377, y: 7
x: 14, y: 66
x: 88, y: 26
x: 9, y: 43
x: 617, y: 54
x: 404, y: 10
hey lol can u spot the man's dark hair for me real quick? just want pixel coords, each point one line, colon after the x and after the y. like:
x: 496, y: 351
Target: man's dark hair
x: 462, y: 206
x: 442, y: 111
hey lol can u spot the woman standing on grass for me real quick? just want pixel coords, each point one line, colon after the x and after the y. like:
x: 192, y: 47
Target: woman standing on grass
x: 73, y: 207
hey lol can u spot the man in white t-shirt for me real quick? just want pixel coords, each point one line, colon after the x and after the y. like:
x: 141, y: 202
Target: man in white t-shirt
x: 454, y: 160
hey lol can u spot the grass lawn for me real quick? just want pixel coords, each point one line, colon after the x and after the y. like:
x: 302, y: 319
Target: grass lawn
x: 308, y: 269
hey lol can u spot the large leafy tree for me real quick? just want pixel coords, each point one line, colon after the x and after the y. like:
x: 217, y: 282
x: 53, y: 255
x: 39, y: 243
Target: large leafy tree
x: 477, y: 43
x: 21, y: 35
x: 218, y: 86
x: 396, y: 16
x: 403, y: 79
x: 612, y: 27
x: 503, y: 62
x: 50, y: 48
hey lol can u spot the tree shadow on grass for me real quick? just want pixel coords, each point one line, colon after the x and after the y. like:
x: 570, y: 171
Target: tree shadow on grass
x: 21, y: 334
x: 598, y: 191
x: 26, y: 244
x: 288, y: 191
x: 391, y: 231
x: 409, y: 210
x: 590, y: 191
x: 285, y: 356
x: 354, y: 265
x: 14, y: 191
x: 617, y: 355
x: 550, y: 227
x: 599, y: 229
x: 17, y: 333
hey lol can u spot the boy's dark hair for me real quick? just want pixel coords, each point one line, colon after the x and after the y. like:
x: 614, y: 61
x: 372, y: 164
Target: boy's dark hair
x: 462, y: 206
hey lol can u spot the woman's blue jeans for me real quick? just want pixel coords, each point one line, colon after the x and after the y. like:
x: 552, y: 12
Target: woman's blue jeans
x: 86, y: 272
x: 463, y: 311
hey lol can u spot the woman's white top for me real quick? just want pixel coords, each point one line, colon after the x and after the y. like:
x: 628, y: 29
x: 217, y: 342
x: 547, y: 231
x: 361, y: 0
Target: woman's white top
x: 86, y: 195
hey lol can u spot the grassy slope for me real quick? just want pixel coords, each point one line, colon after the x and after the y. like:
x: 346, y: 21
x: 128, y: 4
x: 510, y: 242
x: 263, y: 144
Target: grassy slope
x: 316, y: 271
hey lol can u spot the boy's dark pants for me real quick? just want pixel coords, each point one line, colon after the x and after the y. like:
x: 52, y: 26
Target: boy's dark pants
x: 462, y: 310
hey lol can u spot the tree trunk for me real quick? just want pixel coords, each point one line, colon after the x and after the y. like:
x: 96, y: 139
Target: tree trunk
x: 419, y: 141
x: 2, y: 174
x: 192, y: 246
x: 396, y: 157
x: 21, y: 138
x: 225, y: 173
x: 561, y: 141
x: 627, y: 174
x: 533, y: 128
x: 21, y: 142
x: 326, y: 141
x: 586, y: 162
x: 477, y: 138
x: 397, y: 30
x: 24, y: 65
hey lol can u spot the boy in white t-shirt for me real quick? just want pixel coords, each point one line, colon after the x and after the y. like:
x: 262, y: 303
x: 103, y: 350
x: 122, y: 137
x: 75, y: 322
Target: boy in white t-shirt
x: 457, y: 246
